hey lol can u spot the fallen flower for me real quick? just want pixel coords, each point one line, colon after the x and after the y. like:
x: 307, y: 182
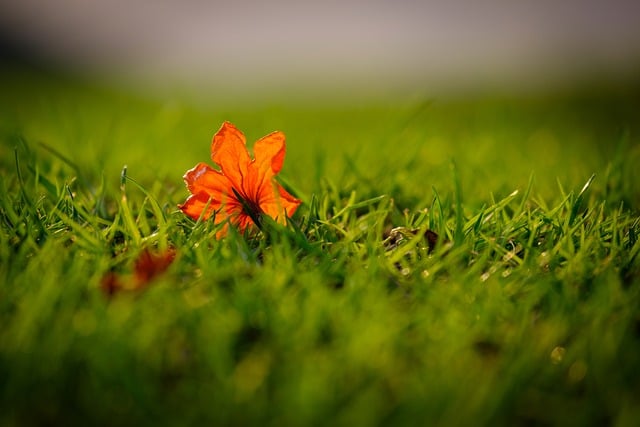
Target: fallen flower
x: 147, y: 266
x: 150, y: 264
x: 111, y: 283
x: 244, y: 189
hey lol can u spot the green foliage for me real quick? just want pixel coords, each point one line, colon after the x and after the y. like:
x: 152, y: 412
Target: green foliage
x: 470, y: 262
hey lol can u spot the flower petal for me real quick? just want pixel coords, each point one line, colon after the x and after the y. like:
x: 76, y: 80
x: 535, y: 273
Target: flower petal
x: 278, y: 203
x: 203, y: 178
x: 195, y: 205
x: 269, y: 152
x: 234, y: 213
x: 289, y: 203
x: 244, y: 222
x: 229, y: 151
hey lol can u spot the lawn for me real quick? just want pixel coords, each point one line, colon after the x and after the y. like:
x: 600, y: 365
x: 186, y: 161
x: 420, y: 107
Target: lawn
x: 455, y: 261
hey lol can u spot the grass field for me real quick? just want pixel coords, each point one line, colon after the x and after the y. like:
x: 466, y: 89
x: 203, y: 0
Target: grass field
x: 526, y: 311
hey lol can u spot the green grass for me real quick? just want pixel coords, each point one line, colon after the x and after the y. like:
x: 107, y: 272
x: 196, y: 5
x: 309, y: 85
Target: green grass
x: 527, y: 311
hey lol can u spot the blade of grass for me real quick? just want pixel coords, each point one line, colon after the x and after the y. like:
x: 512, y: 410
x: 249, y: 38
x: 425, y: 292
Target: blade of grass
x: 127, y: 216
x: 459, y: 216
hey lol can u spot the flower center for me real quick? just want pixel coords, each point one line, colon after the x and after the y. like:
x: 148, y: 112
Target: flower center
x: 250, y: 208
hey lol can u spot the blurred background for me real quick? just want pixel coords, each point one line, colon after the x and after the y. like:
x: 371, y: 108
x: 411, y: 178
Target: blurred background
x: 331, y: 47
x: 522, y: 87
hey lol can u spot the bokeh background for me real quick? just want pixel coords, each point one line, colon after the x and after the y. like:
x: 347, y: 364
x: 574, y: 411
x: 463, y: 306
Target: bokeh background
x: 384, y: 93
x: 331, y: 48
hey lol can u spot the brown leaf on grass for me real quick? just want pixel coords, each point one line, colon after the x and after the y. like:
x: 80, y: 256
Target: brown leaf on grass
x: 148, y: 265
x: 111, y: 283
x: 398, y: 235
x: 432, y: 239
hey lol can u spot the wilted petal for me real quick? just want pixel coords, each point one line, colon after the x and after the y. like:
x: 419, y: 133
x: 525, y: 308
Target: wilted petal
x: 150, y: 264
x: 111, y: 283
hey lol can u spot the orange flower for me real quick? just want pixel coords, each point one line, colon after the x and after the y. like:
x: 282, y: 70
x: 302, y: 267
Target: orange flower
x: 244, y: 189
